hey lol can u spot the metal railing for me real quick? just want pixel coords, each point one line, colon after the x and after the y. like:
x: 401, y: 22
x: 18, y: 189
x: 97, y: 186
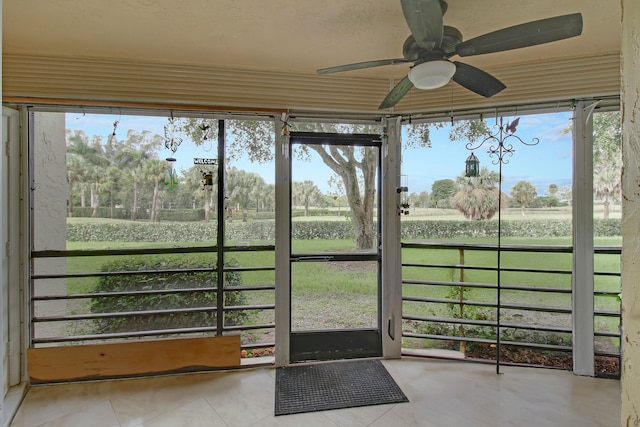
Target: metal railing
x: 61, y: 315
x: 460, y: 312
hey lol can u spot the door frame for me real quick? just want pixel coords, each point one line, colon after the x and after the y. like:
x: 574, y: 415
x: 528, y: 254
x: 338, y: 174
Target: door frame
x: 12, y: 248
x: 391, y: 247
x: 342, y: 343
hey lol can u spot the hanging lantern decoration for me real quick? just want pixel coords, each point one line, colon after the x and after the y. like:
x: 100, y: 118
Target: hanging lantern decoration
x: 170, y: 177
x: 472, y: 166
x: 207, y: 179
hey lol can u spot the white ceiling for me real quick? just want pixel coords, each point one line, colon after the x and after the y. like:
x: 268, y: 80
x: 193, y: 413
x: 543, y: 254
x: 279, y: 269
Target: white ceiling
x: 281, y: 35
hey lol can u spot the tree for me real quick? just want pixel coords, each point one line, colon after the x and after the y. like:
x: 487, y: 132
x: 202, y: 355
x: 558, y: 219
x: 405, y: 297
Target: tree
x: 607, y: 183
x: 441, y: 192
x: 607, y: 158
x: 423, y: 199
x: 565, y: 194
x: 307, y: 192
x: 338, y: 190
x: 477, y: 197
x: 356, y: 166
x: 153, y: 172
x: 130, y: 156
x: 523, y: 193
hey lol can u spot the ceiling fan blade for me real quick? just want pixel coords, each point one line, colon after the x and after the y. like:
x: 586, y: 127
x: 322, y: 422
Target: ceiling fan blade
x: 424, y: 18
x: 360, y: 65
x: 476, y: 80
x: 523, y: 35
x: 396, y: 93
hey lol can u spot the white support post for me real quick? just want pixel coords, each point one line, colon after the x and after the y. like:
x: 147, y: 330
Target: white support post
x: 582, y: 297
x: 283, y: 279
x: 391, y: 249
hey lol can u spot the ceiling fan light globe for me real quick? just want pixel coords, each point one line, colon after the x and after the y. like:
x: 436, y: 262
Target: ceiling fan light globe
x: 432, y: 74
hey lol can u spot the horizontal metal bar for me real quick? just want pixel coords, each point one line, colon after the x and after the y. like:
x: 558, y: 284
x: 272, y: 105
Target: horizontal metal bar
x: 146, y: 272
x: 150, y: 292
x: 607, y: 273
x: 116, y: 252
x: 244, y: 269
x: 336, y: 256
x: 312, y: 258
x: 488, y: 268
x: 489, y: 304
x: 249, y: 327
x: 138, y: 334
x: 487, y: 286
x: 471, y: 322
x: 121, y: 335
x: 122, y: 294
x: 250, y: 307
x: 611, y: 250
x: 124, y: 273
x: 75, y: 317
x: 147, y: 251
x: 607, y: 354
x: 250, y: 288
x: 258, y: 345
x: 489, y: 323
x: 607, y: 334
x: 448, y: 338
x: 552, y: 347
x: 250, y: 248
x: 451, y: 266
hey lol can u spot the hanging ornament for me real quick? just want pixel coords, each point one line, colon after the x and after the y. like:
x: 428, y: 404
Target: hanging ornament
x: 171, y: 141
x: 207, y: 180
x: 113, y: 134
x: 170, y: 177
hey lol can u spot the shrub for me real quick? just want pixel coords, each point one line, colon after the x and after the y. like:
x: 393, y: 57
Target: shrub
x: 158, y: 273
x: 305, y: 230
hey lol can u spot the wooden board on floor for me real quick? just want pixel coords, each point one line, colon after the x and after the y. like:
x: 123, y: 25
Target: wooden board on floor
x: 99, y: 361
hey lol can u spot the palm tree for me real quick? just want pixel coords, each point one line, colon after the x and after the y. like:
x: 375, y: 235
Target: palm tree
x: 131, y: 161
x: 523, y: 193
x: 308, y: 192
x: 153, y: 172
x: 607, y: 182
x: 477, y: 197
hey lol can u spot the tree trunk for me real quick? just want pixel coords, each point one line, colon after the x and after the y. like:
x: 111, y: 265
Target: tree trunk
x: 134, y: 207
x: 70, y: 205
x: 94, y: 201
x: 207, y: 205
x: 154, y: 201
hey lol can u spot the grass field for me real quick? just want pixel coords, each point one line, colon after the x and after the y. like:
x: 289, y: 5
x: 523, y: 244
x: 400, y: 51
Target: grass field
x: 337, y: 295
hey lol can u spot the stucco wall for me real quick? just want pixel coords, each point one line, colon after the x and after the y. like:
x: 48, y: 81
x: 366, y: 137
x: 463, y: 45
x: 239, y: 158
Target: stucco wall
x: 49, y: 212
x: 631, y: 213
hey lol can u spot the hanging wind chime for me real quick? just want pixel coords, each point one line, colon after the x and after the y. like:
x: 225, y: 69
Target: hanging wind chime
x: 171, y: 142
x: 500, y: 148
x: 170, y: 177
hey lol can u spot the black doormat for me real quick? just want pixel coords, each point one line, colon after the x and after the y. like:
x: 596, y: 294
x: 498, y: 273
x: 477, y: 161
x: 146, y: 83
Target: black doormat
x: 336, y: 385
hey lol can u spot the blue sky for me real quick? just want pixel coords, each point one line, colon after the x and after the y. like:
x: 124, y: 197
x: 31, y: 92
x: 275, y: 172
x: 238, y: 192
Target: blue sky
x: 549, y: 162
x: 546, y: 163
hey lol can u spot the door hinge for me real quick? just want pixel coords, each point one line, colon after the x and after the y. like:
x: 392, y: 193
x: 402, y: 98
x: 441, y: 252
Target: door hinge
x: 7, y: 146
x: 7, y: 248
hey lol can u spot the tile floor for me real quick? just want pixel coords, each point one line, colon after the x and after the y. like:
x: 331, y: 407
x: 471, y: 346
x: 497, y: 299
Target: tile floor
x: 441, y: 393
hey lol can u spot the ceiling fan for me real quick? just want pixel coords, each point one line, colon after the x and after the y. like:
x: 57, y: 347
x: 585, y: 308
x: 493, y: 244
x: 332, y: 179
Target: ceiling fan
x: 431, y: 44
